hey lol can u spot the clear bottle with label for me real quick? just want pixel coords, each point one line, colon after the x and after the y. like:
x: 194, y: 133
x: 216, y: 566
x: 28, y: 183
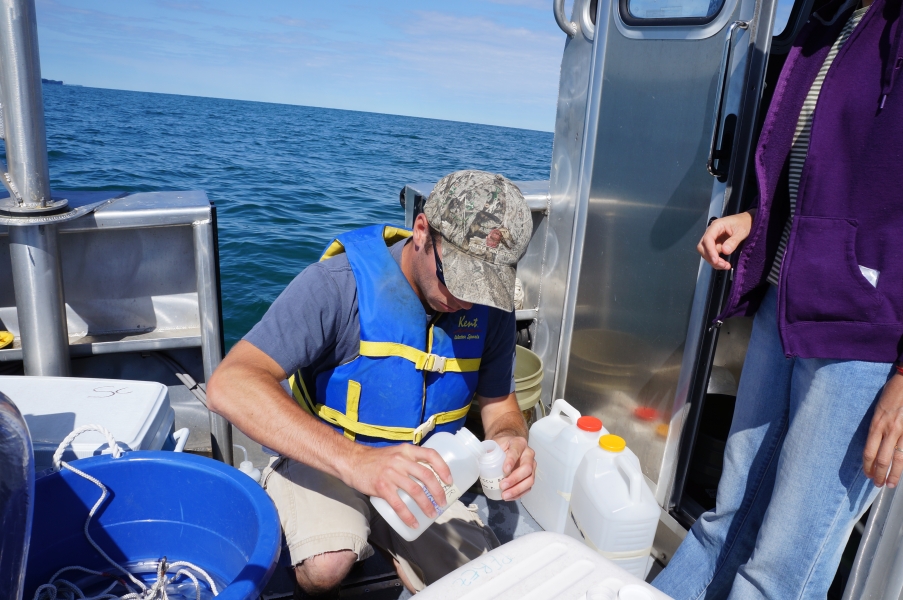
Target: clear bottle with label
x: 492, y: 470
x: 461, y: 452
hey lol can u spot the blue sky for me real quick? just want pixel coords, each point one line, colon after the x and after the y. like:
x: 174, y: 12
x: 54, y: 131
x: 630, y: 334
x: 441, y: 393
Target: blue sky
x: 482, y: 61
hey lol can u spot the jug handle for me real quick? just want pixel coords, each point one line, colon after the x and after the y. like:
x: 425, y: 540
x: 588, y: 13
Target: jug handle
x: 561, y: 406
x: 633, y: 475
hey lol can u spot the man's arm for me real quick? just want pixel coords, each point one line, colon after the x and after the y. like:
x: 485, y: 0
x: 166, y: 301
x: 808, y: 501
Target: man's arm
x: 504, y: 423
x: 246, y: 389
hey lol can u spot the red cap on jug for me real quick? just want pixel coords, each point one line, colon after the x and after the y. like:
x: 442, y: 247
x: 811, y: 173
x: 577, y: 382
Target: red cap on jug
x: 589, y: 424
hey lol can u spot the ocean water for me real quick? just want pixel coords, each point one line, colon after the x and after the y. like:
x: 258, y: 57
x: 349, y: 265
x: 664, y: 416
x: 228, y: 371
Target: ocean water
x: 285, y: 179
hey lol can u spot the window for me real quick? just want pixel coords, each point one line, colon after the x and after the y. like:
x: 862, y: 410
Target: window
x: 782, y: 16
x: 669, y: 12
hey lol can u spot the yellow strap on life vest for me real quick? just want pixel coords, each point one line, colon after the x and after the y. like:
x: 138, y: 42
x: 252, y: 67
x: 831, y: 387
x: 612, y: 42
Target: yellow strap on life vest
x: 348, y: 421
x: 352, y: 402
x: 391, y: 235
x: 397, y: 434
x: 423, y: 361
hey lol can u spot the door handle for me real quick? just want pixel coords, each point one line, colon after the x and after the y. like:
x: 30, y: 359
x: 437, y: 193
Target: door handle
x: 569, y: 27
x: 720, y: 91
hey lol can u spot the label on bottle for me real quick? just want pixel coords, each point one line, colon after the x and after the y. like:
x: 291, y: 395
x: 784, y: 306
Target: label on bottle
x: 491, y: 483
x: 452, y: 492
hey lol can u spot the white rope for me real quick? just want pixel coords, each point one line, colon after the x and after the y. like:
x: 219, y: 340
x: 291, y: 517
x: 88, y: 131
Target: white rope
x: 63, y: 589
x: 58, y: 455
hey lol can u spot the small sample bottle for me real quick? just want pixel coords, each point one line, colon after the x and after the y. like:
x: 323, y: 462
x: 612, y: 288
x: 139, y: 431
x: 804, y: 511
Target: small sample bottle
x: 491, y: 473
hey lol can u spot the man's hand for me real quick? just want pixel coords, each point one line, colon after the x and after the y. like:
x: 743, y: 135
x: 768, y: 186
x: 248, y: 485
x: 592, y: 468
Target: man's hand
x: 504, y: 423
x: 519, y: 467
x: 723, y: 236
x: 885, y: 435
x: 382, y: 472
x: 246, y: 390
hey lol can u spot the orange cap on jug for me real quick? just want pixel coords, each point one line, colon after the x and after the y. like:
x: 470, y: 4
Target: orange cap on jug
x: 589, y: 424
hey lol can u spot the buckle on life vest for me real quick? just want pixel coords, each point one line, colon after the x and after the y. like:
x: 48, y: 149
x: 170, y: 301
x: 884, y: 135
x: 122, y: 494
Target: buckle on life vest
x: 424, y: 430
x: 434, y: 363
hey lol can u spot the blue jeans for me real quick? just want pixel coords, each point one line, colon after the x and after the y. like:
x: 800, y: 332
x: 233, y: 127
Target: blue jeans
x: 792, y: 486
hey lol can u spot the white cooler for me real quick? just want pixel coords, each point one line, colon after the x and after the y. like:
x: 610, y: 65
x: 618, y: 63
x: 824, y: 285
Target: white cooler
x: 137, y: 413
x: 541, y: 566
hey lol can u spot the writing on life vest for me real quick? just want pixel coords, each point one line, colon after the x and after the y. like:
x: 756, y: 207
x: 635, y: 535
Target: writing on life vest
x: 463, y: 324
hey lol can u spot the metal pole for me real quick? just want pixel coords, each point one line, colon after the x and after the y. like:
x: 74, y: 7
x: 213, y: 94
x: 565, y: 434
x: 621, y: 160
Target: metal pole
x: 34, y: 250
x: 35, y: 257
x: 211, y: 345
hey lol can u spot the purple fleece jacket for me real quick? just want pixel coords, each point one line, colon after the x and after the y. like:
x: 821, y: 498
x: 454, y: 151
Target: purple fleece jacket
x: 849, y: 209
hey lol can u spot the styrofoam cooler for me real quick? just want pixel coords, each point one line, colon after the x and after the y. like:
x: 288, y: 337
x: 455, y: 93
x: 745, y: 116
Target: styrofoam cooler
x: 137, y: 413
x: 541, y: 566
x: 612, y: 509
x: 559, y: 443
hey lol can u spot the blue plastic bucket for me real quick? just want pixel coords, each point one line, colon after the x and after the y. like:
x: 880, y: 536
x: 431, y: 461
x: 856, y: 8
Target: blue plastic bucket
x: 181, y: 506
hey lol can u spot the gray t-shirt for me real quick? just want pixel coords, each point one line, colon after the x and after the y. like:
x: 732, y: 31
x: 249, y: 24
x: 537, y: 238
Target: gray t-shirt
x: 313, y: 325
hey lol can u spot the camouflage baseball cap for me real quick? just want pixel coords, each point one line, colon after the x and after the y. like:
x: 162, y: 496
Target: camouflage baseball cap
x: 485, y: 225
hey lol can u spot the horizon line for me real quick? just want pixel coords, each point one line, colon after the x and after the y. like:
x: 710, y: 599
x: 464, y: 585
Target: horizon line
x: 370, y: 112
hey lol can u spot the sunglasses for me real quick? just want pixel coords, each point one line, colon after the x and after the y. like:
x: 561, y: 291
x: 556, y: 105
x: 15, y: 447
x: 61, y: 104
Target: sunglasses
x: 440, y: 275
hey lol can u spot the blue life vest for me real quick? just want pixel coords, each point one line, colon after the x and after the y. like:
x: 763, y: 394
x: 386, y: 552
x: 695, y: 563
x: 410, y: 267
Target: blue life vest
x: 411, y: 377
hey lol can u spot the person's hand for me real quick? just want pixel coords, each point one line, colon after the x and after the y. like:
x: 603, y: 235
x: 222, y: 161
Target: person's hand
x: 382, y: 472
x: 519, y: 467
x: 722, y: 237
x: 885, y: 435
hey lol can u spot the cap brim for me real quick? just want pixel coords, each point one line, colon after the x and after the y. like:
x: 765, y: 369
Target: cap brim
x: 473, y: 280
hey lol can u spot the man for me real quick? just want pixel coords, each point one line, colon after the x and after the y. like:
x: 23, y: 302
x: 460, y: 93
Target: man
x: 385, y: 341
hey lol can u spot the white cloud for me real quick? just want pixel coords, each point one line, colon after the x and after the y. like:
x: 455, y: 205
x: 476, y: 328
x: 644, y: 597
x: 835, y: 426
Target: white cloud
x: 498, y: 67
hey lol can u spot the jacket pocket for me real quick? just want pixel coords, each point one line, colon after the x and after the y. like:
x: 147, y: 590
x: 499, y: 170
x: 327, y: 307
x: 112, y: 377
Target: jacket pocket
x: 823, y: 281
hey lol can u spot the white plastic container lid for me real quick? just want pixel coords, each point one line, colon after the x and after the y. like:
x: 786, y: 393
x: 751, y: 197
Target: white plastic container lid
x: 137, y: 413
x: 541, y: 566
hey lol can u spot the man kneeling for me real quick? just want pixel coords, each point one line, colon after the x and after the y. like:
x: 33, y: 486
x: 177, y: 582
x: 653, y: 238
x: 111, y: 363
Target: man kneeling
x: 385, y: 341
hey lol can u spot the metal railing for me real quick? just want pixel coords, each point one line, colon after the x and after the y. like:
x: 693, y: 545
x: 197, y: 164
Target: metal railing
x: 34, y: 247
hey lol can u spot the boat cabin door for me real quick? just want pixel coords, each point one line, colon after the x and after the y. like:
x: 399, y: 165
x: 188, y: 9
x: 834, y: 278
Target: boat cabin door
x: 665, y: 141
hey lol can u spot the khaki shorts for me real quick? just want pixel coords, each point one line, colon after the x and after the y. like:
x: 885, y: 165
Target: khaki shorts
x: 321, y: 514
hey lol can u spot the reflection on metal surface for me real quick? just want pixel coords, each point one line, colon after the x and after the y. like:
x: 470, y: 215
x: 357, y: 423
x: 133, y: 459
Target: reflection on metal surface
x: 16, y: 498
x: 877, y: 572
x: 631, y: 396
x: 731, y: 350
x: 722, y: 382
x: 673, y: 9
x: 567, y: 153
x: 634, y: 265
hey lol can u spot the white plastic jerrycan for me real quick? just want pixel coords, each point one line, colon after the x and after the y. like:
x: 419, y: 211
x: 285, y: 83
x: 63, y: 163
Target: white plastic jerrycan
x: 461, y: 452
x: 559, y: 441
x: 612, y: 509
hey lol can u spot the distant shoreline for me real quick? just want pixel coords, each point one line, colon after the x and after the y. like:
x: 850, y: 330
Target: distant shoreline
x: 51, y: 81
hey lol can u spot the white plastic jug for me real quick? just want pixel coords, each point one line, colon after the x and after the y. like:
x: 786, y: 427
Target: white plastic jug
x: 559, y: 440
x: 461, y: 452
x: 612, y: 509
